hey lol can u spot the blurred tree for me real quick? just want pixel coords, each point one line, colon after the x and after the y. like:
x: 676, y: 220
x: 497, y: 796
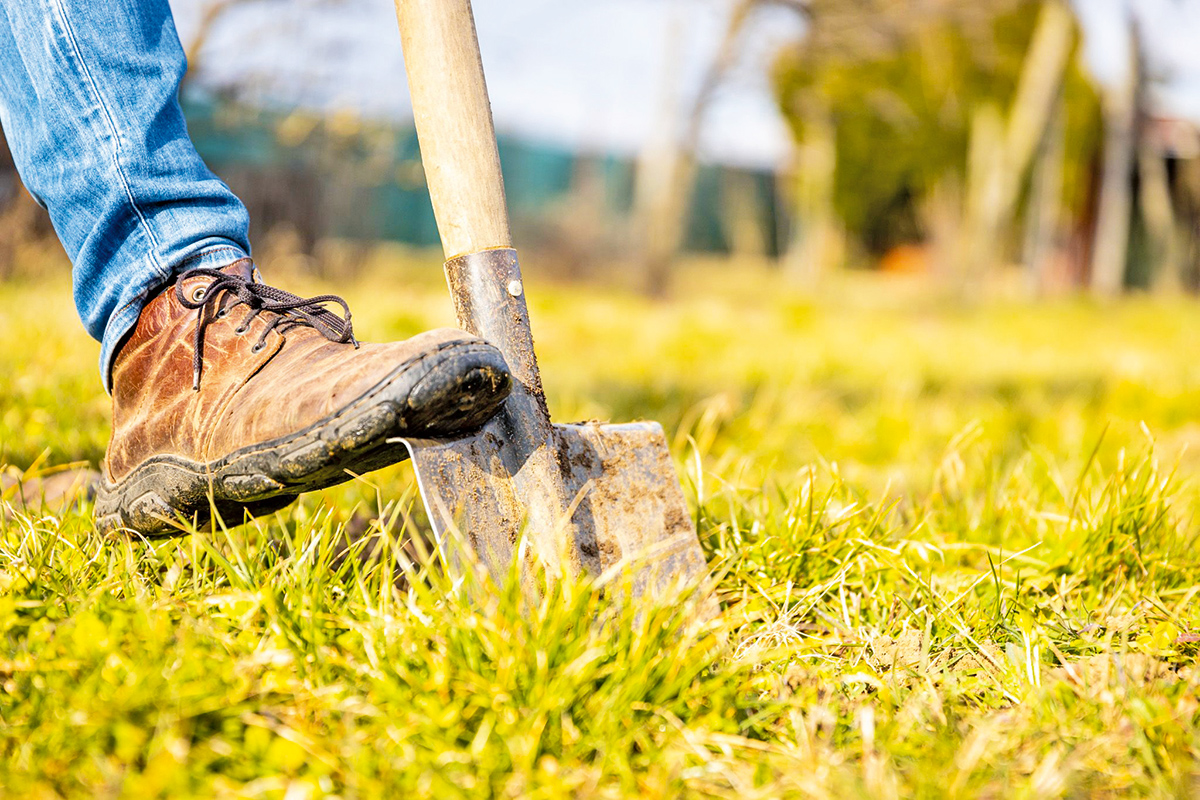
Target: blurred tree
x: 1000, y: 156
x: 289, y: 205
x: 666, y: 173
x: 928, y: 109
x: 1137, y: 240
x: 1110, y: 259
x: 210, y: 14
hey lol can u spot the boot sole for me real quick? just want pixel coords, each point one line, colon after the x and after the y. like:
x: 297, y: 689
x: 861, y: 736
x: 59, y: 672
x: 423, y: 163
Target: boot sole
x: 449, y: 391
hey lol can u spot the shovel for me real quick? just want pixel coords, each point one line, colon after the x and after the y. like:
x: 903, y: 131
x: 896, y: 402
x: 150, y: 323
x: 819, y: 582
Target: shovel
x: 588, y: 498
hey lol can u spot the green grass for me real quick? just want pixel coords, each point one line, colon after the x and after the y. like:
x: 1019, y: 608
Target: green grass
x: 955, y: 549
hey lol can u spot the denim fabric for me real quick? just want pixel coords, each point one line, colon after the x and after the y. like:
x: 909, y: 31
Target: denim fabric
x: 89, y: 103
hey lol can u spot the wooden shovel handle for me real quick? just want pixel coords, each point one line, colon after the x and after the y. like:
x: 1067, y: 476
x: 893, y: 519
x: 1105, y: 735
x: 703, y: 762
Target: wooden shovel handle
x: 454, y: 124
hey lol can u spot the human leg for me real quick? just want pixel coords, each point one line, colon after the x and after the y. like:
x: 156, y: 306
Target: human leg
x: 89, y: 102
x: 228, y: 394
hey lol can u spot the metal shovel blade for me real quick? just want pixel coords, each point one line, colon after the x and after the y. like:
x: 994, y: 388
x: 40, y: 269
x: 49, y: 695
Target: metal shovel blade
x: 627, y: 510
x: 585, y: 498
x: 588, y: 498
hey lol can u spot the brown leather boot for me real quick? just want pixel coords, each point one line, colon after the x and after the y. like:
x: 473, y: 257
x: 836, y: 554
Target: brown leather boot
x: 233, y: 394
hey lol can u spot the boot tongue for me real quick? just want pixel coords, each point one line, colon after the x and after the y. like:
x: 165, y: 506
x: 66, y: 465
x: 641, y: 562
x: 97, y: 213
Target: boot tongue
x: 243, y: 268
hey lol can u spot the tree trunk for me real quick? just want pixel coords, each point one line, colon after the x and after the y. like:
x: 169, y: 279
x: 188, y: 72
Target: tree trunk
x: 742, y: 216
x: 817, y: 244
x: 1043, y: 228
x: 995, y: 178
x: 667, y: 168
x: 1110, y: 253
x: 1158, y: 211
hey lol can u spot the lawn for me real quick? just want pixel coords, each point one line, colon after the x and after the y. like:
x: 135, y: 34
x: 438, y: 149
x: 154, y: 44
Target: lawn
x: 954, y: 544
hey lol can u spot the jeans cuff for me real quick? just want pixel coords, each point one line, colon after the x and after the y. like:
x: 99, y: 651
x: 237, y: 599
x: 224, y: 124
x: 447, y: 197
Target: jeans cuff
x: 122, y: 322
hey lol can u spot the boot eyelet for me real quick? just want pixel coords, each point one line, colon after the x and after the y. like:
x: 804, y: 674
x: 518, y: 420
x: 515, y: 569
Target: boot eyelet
x: 240, y: 330
x: 258, y: 348
x: 198, y: 294
x: 223, y: 313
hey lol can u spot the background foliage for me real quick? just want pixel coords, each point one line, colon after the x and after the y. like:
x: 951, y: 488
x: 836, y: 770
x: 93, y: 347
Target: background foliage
x: 900, y: 83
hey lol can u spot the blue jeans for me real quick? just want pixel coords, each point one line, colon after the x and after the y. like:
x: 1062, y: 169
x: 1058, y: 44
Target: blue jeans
x: 89, y: 103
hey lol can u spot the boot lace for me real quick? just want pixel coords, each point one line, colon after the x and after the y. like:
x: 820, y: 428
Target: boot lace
x: 287, y: 311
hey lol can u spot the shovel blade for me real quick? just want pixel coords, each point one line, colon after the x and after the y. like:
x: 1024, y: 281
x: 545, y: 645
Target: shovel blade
x: 627, y: 509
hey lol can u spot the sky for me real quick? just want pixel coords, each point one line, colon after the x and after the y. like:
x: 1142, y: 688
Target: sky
x: 601, y: 75
x: 1171, y: 32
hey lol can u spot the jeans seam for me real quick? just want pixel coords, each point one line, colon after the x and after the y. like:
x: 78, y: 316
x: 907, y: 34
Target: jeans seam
x: 142, y: 295
x: 110, y: 350
x: 206, y: 253
x: 114, y: 132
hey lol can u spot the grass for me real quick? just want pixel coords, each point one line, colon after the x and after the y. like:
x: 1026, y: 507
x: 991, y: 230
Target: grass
x: 955, y: 548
